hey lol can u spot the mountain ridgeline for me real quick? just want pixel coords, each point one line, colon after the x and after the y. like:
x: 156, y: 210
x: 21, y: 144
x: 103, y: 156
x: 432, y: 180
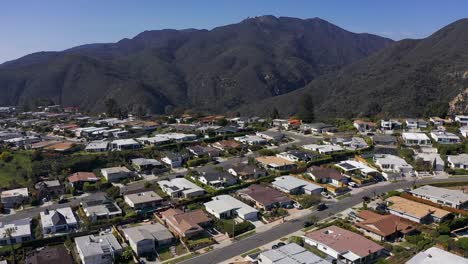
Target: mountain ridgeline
x: 410, y: 78
x: 216, y: 70
x: 252, y: 67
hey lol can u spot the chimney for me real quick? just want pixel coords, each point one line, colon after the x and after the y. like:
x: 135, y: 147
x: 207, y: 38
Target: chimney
x: 46, y: 212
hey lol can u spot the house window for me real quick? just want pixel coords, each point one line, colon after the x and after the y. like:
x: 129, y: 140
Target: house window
x: 324, y: 248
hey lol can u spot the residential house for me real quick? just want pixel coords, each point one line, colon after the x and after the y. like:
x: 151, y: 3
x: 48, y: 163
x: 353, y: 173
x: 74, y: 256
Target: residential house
x: 297, y: 155
x: 435, y: 255
x: 78, y: 179
x: 343, y: 245
x: 226, y: 144
x: 97, y: 146
x: 251, y: 140
x: 146, y: 165
x: 293, y: 185
x: 225, y: 206
x: 181, y: 188
x: 145, y: 238
x: 217, y: 179
x: 156, y: 140
x: 49, y: 189
x: 98, y: 249
x: 430, y: 157
x: 61, y: 220
x: 384, y: 227
x: 246, y: 171
x: 364, y: 126
x: 384, y: 140
x: 115, y: 174
x: 437, y: 121
x: 143, y: 200
x: 290, y: 253
x: 462, y: 120
x: 459, y: 161
x: 412, y: 139
x: 387, y: 126
x: 392, y: 166
x: 265, y: 197
x: 15, y: 197
x: 101, y: 209
x: 317, y: 128
x: 355, y: 143
x: 228, y: 130
x: 443, y: 137
x: 200, y: 151
x: 323, y: 149
x: 125, y: 144
x: 49, y: 255
x: 271, y: 135
x: 186, y: 224
x: 416, y: 212
x: 446, y: 197
x: 175, y: 160
x: 412, y: 123
x: 464, y: 131
x: 327, y: 175
x: 357, y: 167
x: 280, y: 123
x: 22, y: 231
x: 276, y: 163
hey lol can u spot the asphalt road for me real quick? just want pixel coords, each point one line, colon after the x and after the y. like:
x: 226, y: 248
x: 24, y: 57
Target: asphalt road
x: 257, y: 240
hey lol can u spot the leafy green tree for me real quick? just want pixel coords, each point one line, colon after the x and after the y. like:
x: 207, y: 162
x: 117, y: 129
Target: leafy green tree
x: 463, y: 243
x: 113, y: 192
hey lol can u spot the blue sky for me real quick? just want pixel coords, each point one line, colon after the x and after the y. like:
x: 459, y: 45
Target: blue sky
x: 30, y: 26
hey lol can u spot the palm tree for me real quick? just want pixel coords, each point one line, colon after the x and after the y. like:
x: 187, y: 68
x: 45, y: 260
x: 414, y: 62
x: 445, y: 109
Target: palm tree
x: 9, y: 233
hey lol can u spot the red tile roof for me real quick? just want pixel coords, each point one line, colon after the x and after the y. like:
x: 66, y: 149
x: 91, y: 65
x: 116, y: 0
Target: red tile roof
x: 342, y: 241
x: 83, y: 177
x: 386, y: 225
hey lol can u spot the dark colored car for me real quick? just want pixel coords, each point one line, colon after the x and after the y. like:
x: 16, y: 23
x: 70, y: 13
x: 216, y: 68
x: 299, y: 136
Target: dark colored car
x: 322, y: 207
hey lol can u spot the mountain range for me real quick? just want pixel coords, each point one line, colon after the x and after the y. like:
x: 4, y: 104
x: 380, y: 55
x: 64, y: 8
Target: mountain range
x: 250, y: 67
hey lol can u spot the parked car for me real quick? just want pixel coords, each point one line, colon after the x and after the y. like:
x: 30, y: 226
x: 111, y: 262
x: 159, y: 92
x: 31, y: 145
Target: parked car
x: 289, y: 206
x: 280, y: 244
x: 353, y: 184
x: 325, y: 195
x: 322, y: 207
x: 297, y: 206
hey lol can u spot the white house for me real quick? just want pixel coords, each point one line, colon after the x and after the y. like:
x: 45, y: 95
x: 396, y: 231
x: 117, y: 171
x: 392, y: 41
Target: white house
x: 251, y: 140
x: 293, y: 185
x: 436, y: 255
x: 115, y: 174
x: 463, y: 120
x: 411, y: 139
x: 102, y: 249
x: 181, y: 188
x: 225, y: 206
x: 125, y: 144
x: 22, y: 228
x: 144, y: 238
x: 459, y: 161
x: 143, y: 200
x: 444, y: 137
x: 391, y: 164
x: 290, y: 253
x: 12, y: 198
x: 446, y: 197
x: 61, y: 220
x: 323, y: 149
x: 173, y: 159
x: 97, y: 146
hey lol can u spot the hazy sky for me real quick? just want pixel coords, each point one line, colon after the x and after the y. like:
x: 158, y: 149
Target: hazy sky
x: 30, y: 26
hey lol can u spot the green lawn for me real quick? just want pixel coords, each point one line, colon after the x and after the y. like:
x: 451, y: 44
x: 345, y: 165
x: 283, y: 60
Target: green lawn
x: 16, y: 170
x: 180, y: 259
x: 245, y: 235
